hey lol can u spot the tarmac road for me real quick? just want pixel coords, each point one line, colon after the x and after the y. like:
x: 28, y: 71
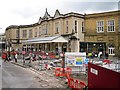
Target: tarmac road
x: 14, y: 76
x: 17, y: 77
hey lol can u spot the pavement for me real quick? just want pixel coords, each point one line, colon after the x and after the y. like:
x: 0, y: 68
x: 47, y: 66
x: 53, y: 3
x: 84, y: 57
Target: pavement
x: 37, y: 65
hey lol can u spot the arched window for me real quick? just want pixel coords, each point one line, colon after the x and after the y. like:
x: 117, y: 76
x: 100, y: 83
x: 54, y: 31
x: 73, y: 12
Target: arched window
x: 111, y: 50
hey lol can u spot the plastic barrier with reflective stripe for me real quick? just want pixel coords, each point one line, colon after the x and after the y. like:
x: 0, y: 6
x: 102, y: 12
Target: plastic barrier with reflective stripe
x: 72, y: 82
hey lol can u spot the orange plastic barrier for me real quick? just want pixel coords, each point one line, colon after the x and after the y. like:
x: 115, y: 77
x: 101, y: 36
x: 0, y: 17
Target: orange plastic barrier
x: 57, y: 72
x: 52, y: 56
x: 63, y: 71
x: 72, y: 83
x: 44, y: 57
x: 82, y: 85
x: 4, y: 56
x: 76, y: 84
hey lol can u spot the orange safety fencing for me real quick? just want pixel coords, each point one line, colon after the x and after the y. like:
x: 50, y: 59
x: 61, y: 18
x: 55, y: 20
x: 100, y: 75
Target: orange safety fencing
x: 76, y: 84
x: 63, y: 71
x: 52, y: 56
x: 72, y: 82
x: 45, y: 55
x: 4, y: 55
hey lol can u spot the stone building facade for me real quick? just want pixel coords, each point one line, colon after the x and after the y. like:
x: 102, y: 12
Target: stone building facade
x: 64, y: 25
x: 2, y: 41
x: 72, y: 32
x: 102, y: 31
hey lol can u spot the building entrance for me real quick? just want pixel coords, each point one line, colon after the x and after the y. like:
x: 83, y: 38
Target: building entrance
x: 92, y: 47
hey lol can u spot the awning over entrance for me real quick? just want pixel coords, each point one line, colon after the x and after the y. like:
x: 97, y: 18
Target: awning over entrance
x: 46, y: 40
x: 1, y: 42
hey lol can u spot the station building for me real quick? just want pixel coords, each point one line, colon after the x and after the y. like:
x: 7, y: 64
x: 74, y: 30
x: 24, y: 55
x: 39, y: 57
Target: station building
x: 71, y: 32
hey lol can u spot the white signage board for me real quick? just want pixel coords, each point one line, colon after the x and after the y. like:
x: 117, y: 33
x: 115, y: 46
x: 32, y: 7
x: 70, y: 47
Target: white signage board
x: 75, y: 58
x: 94, y: 71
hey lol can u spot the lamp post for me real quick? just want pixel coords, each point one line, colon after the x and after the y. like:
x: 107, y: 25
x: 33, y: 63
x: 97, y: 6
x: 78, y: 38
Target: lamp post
x: 63, y: 61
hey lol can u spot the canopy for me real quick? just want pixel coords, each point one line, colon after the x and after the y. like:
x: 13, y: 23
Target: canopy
x: 1, y: 42
x: 46, y: 40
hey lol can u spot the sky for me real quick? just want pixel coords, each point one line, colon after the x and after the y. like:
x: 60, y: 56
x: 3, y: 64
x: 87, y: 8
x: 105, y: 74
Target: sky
x: 25, y: 12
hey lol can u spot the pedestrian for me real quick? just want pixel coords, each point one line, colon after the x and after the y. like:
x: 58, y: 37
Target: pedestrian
x: 99, y: 54
x: 9, y: 56
x: 23, y: 53
x: 33, y: 57
x: 6, y: 57
x: 15, y: 57
x: 106, y: 55
x: 30, y: 57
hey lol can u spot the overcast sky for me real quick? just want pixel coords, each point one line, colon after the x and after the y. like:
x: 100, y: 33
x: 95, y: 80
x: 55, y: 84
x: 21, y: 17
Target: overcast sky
x: 23, y: 12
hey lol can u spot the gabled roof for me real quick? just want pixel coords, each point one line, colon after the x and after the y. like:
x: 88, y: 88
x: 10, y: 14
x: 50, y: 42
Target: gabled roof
x: 46, y: 15
x: 57, y: 14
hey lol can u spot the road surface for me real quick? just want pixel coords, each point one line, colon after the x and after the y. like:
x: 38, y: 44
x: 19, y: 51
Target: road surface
x: 14, y: 76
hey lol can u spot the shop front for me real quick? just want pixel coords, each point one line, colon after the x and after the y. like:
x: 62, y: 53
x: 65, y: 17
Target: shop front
x: 92, y: 47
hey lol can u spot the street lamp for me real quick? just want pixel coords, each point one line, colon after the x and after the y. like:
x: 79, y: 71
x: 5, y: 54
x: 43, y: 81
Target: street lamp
x: 62, y: 55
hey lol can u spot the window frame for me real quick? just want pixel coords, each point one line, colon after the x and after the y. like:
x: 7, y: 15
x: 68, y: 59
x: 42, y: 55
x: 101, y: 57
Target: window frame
x: 39, y: 31
x: 67, y: 26
x: 57, y: 27
x: 76, y: 25
x: 46, y: 29
x: 111, y: 50
x: 83, y: 26
x: 17, y: 33
x: 100, y: 26
x: 24, y: 33
x: 30, y: 33
x: 110, y: 25
x: 36, y: 32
